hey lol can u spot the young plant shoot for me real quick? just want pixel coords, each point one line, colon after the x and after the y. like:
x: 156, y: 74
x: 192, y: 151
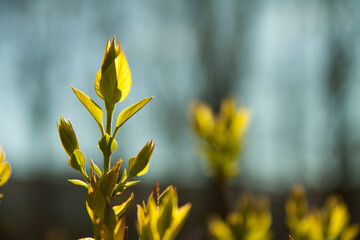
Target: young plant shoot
x: 112, y: 85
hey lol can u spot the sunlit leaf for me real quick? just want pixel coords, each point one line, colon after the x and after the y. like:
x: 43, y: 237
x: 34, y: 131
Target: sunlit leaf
x: 95, y: 168
x: 120, y: 232
x: 5, y: 171
x: 91, y: 106
x: 108, y: 180
x: 123, y: 76
x: 2, y: 156
x: 138, y: 166
x: 120, y: 209
x: 67, y: 136
x: 78, y: 183
x: 80, y: 158
x: 178, y: 221
x: 129, y: 112
x: 131, y: 183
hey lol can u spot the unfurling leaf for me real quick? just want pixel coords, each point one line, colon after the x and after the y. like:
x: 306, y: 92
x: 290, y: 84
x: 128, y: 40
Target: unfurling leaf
x: 67, y: 136
x: 139, y: 165
x: 113, y: 80
x: 107, y: 144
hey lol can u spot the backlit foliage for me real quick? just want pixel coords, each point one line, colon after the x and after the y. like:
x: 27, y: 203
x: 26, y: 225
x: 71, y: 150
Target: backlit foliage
x: 332, y: 222
x: 250, y: 221
x: 5, y: 170
x: 221, y: 135
x: 160, y: 218
x: 112, y: 85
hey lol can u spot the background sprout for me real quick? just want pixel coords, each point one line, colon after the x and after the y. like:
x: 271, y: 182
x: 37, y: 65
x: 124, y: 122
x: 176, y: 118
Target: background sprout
x: 221, y: 136
x: 250, y: 221
x: 330, y: 222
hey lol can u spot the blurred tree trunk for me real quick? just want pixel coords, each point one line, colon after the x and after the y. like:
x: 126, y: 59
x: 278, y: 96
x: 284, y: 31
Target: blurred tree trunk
x: 339, y: 65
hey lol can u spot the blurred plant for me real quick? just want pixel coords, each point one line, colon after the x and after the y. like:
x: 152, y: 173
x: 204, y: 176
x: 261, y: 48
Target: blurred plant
x: 250, y: 221
x: 329, y: 223
x: 5, y: 170
x: 221, y: 141
x: 160, y: 218
x: 221, y: 136
x: 112, y: 84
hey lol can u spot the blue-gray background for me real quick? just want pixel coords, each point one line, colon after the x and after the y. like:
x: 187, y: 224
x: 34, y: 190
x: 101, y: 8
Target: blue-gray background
x: 294, y: 64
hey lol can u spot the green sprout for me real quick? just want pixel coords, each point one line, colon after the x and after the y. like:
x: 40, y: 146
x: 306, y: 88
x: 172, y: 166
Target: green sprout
x: 221, y: 136
x: 112, y: 85
x: 160, y: 218
x: 250, y: 221
x: 332, y: 222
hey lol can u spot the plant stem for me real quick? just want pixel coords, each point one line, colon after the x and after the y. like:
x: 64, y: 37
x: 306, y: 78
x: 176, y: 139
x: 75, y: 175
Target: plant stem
x: 109, y: 114
x: 221, y: 189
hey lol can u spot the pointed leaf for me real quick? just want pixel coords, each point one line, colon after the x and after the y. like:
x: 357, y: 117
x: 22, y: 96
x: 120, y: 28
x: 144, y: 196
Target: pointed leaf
x: 108, y: 180
x: 166, y: 213
x: 78, y: 183
x: 138, y: 165
x: 108, y: 83
x: 95, y: 200
x: 123, y: 176
x: 95, y: 168
x: 120, y: 230
x: 5, y: 171
x: 123, y: 75
x: 67, y: 136
x: 131, y: 183
x: 91, y: 106
x: 2, y: 156
x: 120, y: 209
x: 129, y: 112
x: 80, y: 158
x: 178, y: 222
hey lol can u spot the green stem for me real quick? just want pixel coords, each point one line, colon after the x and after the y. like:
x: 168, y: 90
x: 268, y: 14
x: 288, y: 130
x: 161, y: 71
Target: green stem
x: 109, y: 114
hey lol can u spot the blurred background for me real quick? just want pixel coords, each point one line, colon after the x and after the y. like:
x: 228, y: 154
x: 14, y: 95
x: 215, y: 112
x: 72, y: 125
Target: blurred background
x: 294, y: 64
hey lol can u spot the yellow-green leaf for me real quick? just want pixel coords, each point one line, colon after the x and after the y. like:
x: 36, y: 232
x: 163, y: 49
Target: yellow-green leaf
x: 166, y: 213
x: 120, y: 209
x: 178, y: 222
x: 67, y: 136
x: 107, y: 144
x: 80, y: 158
x: 129, y: 112
x: 107, y: 181
x: 131, y: 183
x: 5, y: 172
x: 90, y: 105
x: 123, y: 75
x: 78, y: 183
x: 95, y: 168
x: 138, y: 165
x: 2, y: 156
x: 120, y: 230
